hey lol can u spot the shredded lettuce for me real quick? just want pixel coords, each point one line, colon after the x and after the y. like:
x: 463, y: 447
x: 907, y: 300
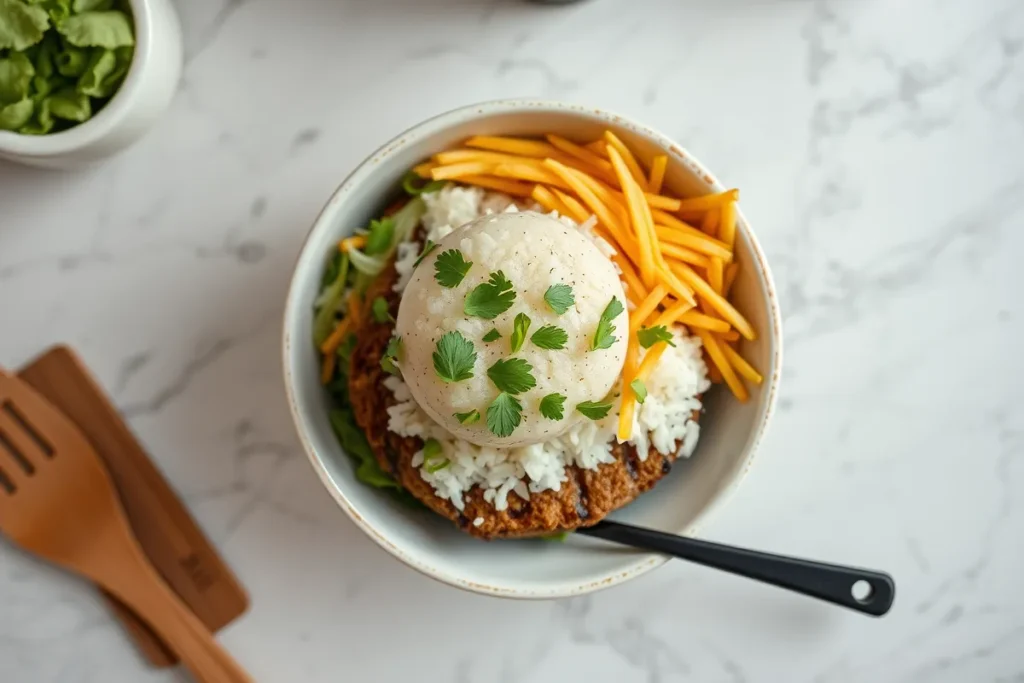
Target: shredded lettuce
x: 60, y: 60
x: 331, y: 295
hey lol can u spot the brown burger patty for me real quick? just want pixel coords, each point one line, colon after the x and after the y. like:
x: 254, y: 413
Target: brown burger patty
x: 584, y: 499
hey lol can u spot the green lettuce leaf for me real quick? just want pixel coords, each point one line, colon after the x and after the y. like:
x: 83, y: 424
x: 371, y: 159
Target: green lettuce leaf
x: 14, y: 116
x: 72, y: 61
x: 93, y: 5
x: 70, y: 105
x: 42, y: 122
x: 100, y: 67
x: 59, y: 10
x: 16, y: 72
x: 109, y: 29
x: 21, y: 25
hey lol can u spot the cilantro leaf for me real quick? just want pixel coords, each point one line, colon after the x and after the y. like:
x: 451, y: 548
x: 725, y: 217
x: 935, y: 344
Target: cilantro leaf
x: 380, y: 309
x: 519, y: 328
x: 649, y: 336
x: 559, y: 298
x: 550, y: 337
x: 433, y: 456
x: 640, y: 389
x: 427, y: 248
x: 593, y: 409
x: 493, y: 335
x: 504, y: 415
x: 380, y: 236
x: 551, y: 406
x: 450, y: 267
x: 603, y: 338
x: 454, y: 357
x: 490, y: 299
x: 472, y: 417
x: 512, y: 375
x: 389, y: 361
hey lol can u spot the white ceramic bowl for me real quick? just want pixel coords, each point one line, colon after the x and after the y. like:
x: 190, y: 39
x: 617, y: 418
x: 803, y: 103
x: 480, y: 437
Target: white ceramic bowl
x: 527, y: 569
x: 144, y: 95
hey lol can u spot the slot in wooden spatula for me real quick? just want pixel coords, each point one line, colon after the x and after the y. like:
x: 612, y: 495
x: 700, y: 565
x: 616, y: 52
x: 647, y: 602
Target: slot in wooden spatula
x: 57, y: 501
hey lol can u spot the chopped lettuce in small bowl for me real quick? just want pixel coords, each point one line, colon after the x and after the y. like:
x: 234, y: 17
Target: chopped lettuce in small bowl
x: 71, y: 87
x: 60, y: 60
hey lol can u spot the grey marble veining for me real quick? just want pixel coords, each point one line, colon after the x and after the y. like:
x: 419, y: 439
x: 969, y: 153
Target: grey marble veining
x: 879, y: 149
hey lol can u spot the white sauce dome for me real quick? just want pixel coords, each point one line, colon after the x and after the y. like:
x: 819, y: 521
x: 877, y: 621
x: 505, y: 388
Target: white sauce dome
x: 534, y: 252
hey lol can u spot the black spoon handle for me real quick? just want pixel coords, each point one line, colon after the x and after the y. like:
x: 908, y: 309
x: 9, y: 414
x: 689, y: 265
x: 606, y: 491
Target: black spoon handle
x: 830, y: 582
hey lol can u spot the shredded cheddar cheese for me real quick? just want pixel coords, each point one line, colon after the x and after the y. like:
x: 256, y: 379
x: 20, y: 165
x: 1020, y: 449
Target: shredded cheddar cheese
x: 674, y: 273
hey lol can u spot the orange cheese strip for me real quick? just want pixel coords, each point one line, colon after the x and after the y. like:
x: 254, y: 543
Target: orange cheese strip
x: 716, y: 274
x: 708, y: 201
x: 634, y: 168
x: 582, y: 153
x: 526, y: 148
x: 714, y: 349
x: 657, y: 177
x: 510, y: 187
x: 628, y: 407
x: 710, y: 223
x: 637, y: 207
x: 683, y: 254
x: 650, y: 361
x: 461, y: 170
x: 529, y: 173
x: 672, y: 314
x: 576, y: 210
x: 330, y: 362
x: 631, y: 278
x: 742, y: 366
x: 714, y: 299
x: 332, y: 342
x: 354, y: 242
x: 699, y: 242
x: 549, y: 201
x: 646, y: 307
x: 730, y: 277
x: 423, y: 170
x: 727, y: 231
x: 603, y: 213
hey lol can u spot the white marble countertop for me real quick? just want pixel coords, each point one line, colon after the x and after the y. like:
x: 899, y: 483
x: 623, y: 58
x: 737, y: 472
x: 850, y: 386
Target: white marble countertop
x: 880, y: 148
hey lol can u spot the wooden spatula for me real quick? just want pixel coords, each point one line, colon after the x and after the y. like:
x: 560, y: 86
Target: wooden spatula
x: 57, y: 501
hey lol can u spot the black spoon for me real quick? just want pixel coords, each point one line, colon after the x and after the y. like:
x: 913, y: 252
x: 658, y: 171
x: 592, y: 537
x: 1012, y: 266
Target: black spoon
x: 863, y: 590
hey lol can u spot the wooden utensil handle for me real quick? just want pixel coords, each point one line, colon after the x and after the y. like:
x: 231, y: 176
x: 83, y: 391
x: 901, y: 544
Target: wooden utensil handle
x: 142, y: 589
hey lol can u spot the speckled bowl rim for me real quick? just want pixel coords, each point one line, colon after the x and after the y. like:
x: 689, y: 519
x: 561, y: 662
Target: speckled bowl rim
x: 644, y: 562
x: 108, y: 118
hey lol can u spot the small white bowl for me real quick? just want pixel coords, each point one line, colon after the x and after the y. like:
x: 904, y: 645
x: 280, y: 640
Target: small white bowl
x: 146, y: 92
x: 527, y: 569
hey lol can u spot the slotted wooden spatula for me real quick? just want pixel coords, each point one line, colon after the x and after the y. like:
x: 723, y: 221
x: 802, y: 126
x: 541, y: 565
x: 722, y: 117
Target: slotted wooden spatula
x: 57, y: 501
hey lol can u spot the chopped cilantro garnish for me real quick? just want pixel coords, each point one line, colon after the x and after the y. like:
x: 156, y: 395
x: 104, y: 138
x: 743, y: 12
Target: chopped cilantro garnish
x: 490, y: 299
x: 593, y: 409
x: 559, y: 298
x: 649, y: 336
x: 512, y: 375
x: 551, y: 406
x: 550, y: 337
x: 450, y: 268
x: 504, y: 415
x: 454, y: 357
x: 640, y: 389
x: 519, y: 328
x: 390, y: 358
x: 603, y: 338
x: 433, y: 456
x: 472, y: 417
x: 493, y: 335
